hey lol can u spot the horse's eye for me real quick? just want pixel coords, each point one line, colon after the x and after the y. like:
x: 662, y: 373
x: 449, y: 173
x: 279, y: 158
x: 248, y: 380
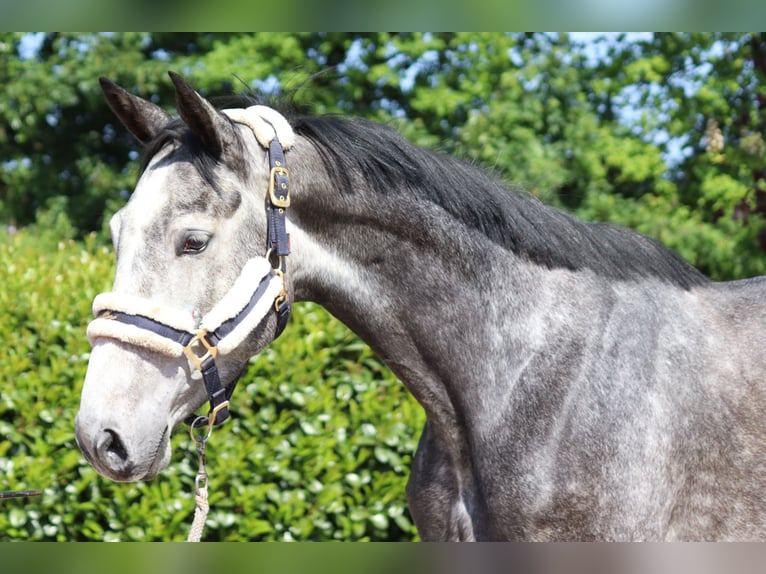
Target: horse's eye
x: 195, y: 243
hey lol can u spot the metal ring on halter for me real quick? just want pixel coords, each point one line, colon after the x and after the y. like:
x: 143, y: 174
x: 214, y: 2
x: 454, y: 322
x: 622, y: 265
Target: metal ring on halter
x: 200, y: 440
x: 209, y: 421
x: 278, y: 271
x: 280, y: 261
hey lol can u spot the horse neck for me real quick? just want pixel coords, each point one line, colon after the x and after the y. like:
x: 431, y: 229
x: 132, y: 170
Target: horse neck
x: 413, y: 282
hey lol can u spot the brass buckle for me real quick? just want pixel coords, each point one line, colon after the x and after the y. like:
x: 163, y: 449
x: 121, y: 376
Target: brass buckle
x: 214, y: 414
x: 210, y: 350
x: 282, y: 200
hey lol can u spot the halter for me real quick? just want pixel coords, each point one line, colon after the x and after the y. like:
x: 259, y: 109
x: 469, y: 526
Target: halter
x: 176, y: 333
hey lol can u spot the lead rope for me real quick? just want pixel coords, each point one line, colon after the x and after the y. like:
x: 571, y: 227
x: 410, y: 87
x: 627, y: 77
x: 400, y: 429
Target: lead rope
x: 201, y: 480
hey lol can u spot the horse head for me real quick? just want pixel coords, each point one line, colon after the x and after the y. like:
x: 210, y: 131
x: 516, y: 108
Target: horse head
x: 195, y: 293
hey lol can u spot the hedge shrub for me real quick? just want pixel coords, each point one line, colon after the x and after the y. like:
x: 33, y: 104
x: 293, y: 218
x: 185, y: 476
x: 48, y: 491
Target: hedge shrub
x: 318, y: 448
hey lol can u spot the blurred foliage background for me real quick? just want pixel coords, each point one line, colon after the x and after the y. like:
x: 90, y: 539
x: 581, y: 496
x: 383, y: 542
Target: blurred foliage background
x: 663, y: 133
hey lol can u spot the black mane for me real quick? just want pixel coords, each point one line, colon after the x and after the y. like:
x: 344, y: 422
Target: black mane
x: 508, y: 217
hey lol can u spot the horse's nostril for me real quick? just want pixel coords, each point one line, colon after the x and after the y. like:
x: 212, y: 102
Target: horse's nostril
x: 109, y: 453
x: 111, y: 445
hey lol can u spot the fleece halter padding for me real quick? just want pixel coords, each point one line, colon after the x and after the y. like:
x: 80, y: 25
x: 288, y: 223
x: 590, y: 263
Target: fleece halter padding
x: 107, y: 307
x: 235, y: 316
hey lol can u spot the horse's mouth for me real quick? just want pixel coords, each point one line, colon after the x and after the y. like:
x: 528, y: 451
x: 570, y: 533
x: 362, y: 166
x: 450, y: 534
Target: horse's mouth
x: 161, y: 456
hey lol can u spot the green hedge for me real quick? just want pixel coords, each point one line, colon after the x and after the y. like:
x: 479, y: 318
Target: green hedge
x: 319, y: 446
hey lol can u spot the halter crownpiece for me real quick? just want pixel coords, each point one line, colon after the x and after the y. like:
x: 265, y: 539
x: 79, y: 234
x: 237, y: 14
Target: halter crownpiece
x: 266, y: 123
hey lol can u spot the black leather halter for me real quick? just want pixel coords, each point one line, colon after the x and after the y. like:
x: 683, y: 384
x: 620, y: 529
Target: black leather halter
x: 200, y: 347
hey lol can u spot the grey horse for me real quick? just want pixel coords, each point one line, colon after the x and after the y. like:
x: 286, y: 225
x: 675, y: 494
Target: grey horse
x: 580, y: 381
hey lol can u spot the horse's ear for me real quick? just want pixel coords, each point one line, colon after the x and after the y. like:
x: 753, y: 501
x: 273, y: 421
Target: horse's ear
x: 212, y: 127
x: 142, y: 118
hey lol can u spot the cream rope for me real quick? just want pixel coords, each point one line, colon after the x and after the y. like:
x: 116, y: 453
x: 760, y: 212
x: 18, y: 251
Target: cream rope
x: 200, y: 515
x: 200, y: 482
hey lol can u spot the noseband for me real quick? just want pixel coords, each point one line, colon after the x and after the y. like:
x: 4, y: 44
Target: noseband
x: 172, y: 332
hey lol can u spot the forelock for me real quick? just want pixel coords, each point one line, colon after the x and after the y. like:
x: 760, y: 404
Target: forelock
x: 194, y: 158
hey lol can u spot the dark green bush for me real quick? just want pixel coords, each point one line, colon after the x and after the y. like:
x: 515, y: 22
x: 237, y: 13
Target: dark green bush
x: 318, y: 448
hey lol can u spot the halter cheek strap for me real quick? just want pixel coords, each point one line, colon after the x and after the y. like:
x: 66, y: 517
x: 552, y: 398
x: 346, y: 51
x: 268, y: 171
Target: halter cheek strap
x: 273, y: 132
